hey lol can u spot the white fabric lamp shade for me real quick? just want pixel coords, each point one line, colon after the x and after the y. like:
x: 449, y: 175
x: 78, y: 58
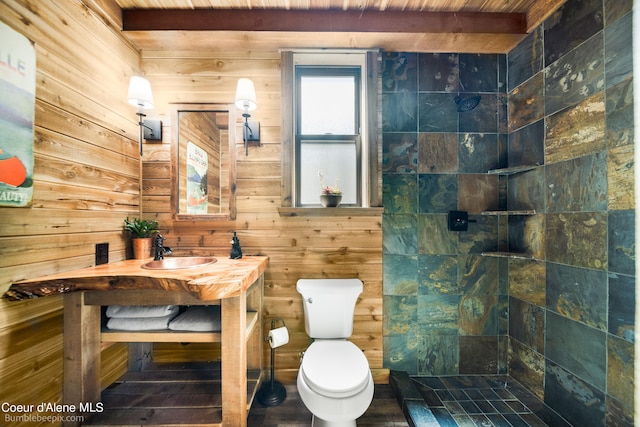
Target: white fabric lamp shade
x: 246, y: 95
x: 140, y: 93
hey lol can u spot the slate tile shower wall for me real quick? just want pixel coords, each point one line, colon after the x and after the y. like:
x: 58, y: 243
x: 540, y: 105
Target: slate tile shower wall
x: 561, y: 323
x: 445, y: 306
x: 571, y: 311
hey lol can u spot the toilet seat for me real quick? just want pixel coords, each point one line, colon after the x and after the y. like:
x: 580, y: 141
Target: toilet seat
x: 335, y: 368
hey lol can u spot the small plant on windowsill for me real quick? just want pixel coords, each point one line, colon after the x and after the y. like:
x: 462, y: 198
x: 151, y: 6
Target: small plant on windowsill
x: 330, y: 197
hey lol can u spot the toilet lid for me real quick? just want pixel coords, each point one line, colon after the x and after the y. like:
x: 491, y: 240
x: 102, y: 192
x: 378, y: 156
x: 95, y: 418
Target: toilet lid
x: 335, y: 368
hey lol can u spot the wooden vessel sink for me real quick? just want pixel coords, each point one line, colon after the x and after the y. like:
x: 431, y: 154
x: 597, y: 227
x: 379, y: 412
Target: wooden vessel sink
x: 177, y: 263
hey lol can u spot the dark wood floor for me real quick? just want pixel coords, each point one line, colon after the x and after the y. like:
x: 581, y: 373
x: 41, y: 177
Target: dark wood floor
x: 384, y: 411
x: 174, y: 394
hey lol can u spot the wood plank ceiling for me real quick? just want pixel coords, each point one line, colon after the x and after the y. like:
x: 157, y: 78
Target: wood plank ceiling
x: 480, y: 26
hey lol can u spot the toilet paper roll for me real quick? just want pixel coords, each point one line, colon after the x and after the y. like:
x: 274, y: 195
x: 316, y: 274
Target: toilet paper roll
x: 278, y: 337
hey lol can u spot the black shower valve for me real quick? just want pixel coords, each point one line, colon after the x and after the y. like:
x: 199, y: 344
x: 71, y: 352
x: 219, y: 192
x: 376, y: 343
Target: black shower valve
x: 459, y: 220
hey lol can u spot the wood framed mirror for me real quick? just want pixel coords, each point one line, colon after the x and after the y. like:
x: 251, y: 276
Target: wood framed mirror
x: 203, y: 166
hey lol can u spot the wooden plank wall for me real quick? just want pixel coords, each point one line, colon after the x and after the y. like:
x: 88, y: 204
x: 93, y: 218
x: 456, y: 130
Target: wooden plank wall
x: 86, y: 181
x: 297, y: 247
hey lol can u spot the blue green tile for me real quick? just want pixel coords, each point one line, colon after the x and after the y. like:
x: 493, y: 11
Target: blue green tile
x: 618, y: 56
x: 434, y: 236
x: 400, y: 275
x: 400, y: 193
x: 437, y: 112
x: 400, y: 316
x: 399, y: 234
x: 619, y: 114
x: 400, y: 111
x: 438, y: 355
x: 478, y: 275
x: 622, y: 306
x: 622, y: 248
x: 437, y: 274
x: 578, y: 348
x: 400, y: 354
x: 437, y: 193
x: 438, y: 314
x: 578, y: 184
x: 478, y: 152
x: 578, y: 293
x: 483, y: 118
x: 577, y: 401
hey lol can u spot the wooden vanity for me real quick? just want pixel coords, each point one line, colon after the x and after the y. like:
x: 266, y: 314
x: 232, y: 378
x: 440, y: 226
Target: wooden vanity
x: 235, y: 285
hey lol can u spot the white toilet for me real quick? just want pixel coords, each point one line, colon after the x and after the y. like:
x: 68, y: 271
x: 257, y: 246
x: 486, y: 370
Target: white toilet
x: 334, y: 380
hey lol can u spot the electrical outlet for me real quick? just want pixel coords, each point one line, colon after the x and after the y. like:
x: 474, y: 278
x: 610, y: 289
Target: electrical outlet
x: 102, y: 253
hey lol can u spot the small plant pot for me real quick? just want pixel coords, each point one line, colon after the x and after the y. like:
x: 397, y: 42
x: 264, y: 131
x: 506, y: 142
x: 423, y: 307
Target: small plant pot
x: 330, y: 200
x: 141, y: 247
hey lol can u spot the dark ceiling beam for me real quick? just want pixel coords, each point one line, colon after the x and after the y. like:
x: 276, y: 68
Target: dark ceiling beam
x: 322, y: 21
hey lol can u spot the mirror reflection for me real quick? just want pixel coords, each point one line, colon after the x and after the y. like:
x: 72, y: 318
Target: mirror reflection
x: 203, y: 162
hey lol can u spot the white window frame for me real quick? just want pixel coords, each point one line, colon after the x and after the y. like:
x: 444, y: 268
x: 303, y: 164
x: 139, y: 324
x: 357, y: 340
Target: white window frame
x: 367, y: 61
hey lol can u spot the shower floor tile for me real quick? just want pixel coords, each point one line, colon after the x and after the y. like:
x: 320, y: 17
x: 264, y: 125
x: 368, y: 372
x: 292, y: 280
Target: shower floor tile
x: 473, y: 401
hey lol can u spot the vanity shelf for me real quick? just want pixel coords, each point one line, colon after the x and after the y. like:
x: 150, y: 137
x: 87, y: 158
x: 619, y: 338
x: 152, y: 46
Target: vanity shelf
x: 110, y: 335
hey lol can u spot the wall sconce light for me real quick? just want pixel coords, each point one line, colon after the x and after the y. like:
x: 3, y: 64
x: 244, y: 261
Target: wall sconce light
x: 140, y: 96
x: 246, y: 101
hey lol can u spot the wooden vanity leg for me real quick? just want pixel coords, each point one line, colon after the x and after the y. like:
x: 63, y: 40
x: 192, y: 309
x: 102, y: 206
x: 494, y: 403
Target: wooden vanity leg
x: 234, y: 361
x: 140, y: 356
x: 81, y: 352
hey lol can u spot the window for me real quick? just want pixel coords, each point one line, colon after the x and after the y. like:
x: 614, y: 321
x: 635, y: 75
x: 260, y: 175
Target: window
x: 327, y: 133
x: 330, y: 128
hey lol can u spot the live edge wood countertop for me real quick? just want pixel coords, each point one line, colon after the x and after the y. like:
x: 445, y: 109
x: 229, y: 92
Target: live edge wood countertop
x: 226, y: 278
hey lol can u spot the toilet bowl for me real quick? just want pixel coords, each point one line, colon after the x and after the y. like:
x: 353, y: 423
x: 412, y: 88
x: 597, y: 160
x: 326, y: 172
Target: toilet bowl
x: 335, y: 383
x: 334, y: 379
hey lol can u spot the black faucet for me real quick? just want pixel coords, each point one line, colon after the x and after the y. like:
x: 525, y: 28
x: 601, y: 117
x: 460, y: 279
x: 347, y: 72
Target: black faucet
x: 161, y: 250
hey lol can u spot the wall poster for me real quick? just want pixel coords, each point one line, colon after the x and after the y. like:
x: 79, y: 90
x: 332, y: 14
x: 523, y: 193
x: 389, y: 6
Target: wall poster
x: 17, y: 111
x: 197, y: 167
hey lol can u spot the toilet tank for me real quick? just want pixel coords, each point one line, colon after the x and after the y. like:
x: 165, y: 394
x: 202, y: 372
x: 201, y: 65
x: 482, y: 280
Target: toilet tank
x: 329, y: 305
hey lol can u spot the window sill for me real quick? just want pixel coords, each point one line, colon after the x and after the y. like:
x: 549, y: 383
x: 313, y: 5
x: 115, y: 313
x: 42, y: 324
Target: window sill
x: 347, y: 211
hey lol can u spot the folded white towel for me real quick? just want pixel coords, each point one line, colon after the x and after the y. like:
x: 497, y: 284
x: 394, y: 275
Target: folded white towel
x: 140, y: 323
x: 199, y: 319
x: 132, y: 311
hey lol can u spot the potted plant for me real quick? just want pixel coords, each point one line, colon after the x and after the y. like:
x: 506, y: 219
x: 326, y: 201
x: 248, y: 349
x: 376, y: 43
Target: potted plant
x: 330, y: 197
x: 141, y: 231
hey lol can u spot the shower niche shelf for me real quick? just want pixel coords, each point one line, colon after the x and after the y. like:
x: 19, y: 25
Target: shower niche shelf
x: 512, y: 170
x: 513, y: 212
x: 511, y: 255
